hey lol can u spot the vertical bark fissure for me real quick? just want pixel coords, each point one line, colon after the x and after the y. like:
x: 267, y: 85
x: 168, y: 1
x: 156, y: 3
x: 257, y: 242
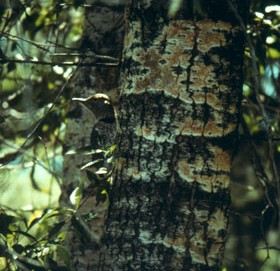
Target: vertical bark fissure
x: 191, y: 62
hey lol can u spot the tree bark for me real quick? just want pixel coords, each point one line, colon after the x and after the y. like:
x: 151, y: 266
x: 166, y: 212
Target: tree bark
x: 103, y: 35
x: 181, y: 86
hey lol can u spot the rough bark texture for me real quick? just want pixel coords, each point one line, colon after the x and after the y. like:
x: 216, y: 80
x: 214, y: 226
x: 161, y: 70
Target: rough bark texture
x: 102, y: 35
x: 178, y: 114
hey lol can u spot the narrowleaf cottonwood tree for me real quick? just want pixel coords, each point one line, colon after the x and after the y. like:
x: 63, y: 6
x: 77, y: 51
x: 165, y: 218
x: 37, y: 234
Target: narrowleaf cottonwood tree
x: 181, y: 87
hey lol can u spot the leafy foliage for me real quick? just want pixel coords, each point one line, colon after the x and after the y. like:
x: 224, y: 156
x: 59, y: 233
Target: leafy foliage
x: 36, y: 243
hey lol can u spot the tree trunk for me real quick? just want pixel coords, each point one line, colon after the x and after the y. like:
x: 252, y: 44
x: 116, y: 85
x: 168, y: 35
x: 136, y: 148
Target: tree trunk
x: 181, y: 86
x: 103, y: 35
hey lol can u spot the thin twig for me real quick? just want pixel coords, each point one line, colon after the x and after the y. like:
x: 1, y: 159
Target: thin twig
x: 39, y: 62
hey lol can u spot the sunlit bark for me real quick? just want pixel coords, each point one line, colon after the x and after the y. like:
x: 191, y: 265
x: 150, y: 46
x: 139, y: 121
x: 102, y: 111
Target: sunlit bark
x: 180, y: 94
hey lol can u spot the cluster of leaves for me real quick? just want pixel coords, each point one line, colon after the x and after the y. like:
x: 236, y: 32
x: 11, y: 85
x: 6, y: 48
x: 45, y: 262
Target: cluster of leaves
x: 34, y: 240
x: 20, y: 249
x: 36, y: 243
x: 262, y: 71
x: 99, y: 173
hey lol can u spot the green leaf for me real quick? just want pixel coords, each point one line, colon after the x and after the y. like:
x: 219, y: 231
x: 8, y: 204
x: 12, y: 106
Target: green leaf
x: 56, y: 228
x: 6, y: 221
x: 76, y: 197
